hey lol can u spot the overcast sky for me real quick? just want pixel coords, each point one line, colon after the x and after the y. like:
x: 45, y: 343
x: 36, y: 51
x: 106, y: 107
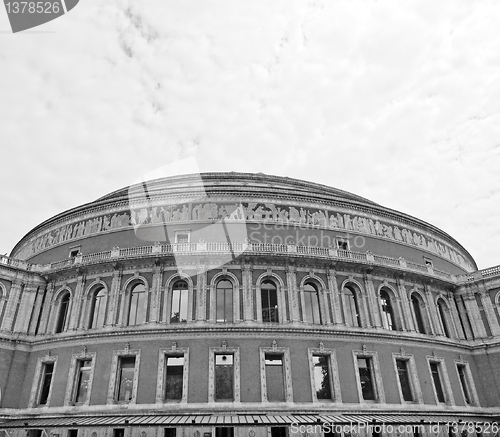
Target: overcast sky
x: 398, y: 102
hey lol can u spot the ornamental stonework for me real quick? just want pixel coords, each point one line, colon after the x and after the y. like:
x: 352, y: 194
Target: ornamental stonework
x: 326, y: 218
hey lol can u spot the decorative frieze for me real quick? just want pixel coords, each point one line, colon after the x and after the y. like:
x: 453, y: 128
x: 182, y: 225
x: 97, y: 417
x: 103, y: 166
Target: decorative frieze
x: 327, y: 218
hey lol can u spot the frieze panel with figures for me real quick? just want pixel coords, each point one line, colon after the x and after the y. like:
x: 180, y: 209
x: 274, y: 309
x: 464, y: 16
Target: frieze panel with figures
x: 251, y: 211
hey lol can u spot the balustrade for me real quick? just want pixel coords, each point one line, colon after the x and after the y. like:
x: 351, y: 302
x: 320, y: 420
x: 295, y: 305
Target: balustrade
x: 256, y: 248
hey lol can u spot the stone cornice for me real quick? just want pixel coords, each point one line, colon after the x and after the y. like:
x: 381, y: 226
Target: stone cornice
x: 295, y: 331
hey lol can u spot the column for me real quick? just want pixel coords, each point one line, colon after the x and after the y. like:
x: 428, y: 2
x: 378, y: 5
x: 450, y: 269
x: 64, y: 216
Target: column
x: 373, y: 316
x: 12, y: 304
x: 246, y: 279
x: 78, y: 304
x: 26, y: 309
x: 156, y: 296
x: 489, y: 311
x: 323, y: 307
x: 454, y: 313
x: 291, y: 281
x: 334, y: 297
x: 453, y: 319
x: 36, y: 310
x: 474, y: 316
x: 236, y: 303
x: 463, y: 314
x: 434, y: 316
x: 406, y: 312
x: 114, y: 298
x: 47, y: 308
x: 201, y: 299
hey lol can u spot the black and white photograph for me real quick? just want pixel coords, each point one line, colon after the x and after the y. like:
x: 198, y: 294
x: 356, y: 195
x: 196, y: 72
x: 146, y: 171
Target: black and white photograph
x: 250, y: 218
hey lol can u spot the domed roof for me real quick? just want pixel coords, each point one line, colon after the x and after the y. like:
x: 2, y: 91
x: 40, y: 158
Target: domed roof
x: 293, y: 201
x: 234, y: 183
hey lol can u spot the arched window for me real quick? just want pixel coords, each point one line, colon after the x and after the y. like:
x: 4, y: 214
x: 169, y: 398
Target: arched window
x: 269, y: 301
x: 351, y: 310
x: 63, y: 313
x: 443, y: 310
x: 137, y: 305
x: 224, y: 301
x: 417, y: 312
x: 97, y: 308
x: 179, y: 306
x: 387, y: 310
x: 311, y: 304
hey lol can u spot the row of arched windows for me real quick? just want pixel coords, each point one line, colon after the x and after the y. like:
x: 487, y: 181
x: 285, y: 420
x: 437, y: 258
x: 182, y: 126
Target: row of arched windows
x: 269, y: 304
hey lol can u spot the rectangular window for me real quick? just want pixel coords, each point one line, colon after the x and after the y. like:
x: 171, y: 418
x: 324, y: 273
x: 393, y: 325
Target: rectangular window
x: 182, y: 237
x: 34, y: 433
x: 278, y: 431
x: 464, y: 383
x: 404, y: 380
x: 83, y: 372
x: 366, y: 378
x: 274, y: 377
x: 224, y: 377
x: 174, y: 377
x: 74, y: 251
x: 226, y: 431
x: 46, y: 382
x: 125, y: 381
x: 169, y: 432
x: 322, y: 378
x: 119, y: 432
x: 72, y: 433
x: 436, y: 378
x: 342, y: 244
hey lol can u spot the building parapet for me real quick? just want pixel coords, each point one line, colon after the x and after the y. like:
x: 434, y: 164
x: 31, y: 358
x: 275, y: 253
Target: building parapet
x: 205, y: 248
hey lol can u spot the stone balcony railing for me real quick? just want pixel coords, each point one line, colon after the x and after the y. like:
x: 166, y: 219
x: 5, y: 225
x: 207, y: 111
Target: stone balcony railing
x: 236, y: 249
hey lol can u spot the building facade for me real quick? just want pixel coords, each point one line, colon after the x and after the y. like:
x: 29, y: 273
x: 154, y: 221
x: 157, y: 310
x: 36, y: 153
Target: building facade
x: 233, y: 304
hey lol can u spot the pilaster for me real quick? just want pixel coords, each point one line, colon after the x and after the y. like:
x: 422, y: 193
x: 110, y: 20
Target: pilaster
x: 36, y: 310
x: 323, y: 307
x: 248, y: 291
x: 434, y: 316
x: 26, y: 308
x: 12, y: 305
x: 474, y: 316
x: 489, y: 311
x: 334, y: 297
x: 47, y: 308
x: 201, y: 291
x: 454, y: 321
x: 154, y: 311
x: 373, y: 316
x: 113, y: 297
x: 454, y: 313
x: 78, y: 302
x: 460, y: 301
x: 406, y: 312
x: 291, y: 280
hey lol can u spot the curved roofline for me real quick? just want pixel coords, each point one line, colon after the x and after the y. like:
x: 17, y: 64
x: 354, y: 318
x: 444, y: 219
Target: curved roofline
x: 255, y: 176
x: 308, y: 189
